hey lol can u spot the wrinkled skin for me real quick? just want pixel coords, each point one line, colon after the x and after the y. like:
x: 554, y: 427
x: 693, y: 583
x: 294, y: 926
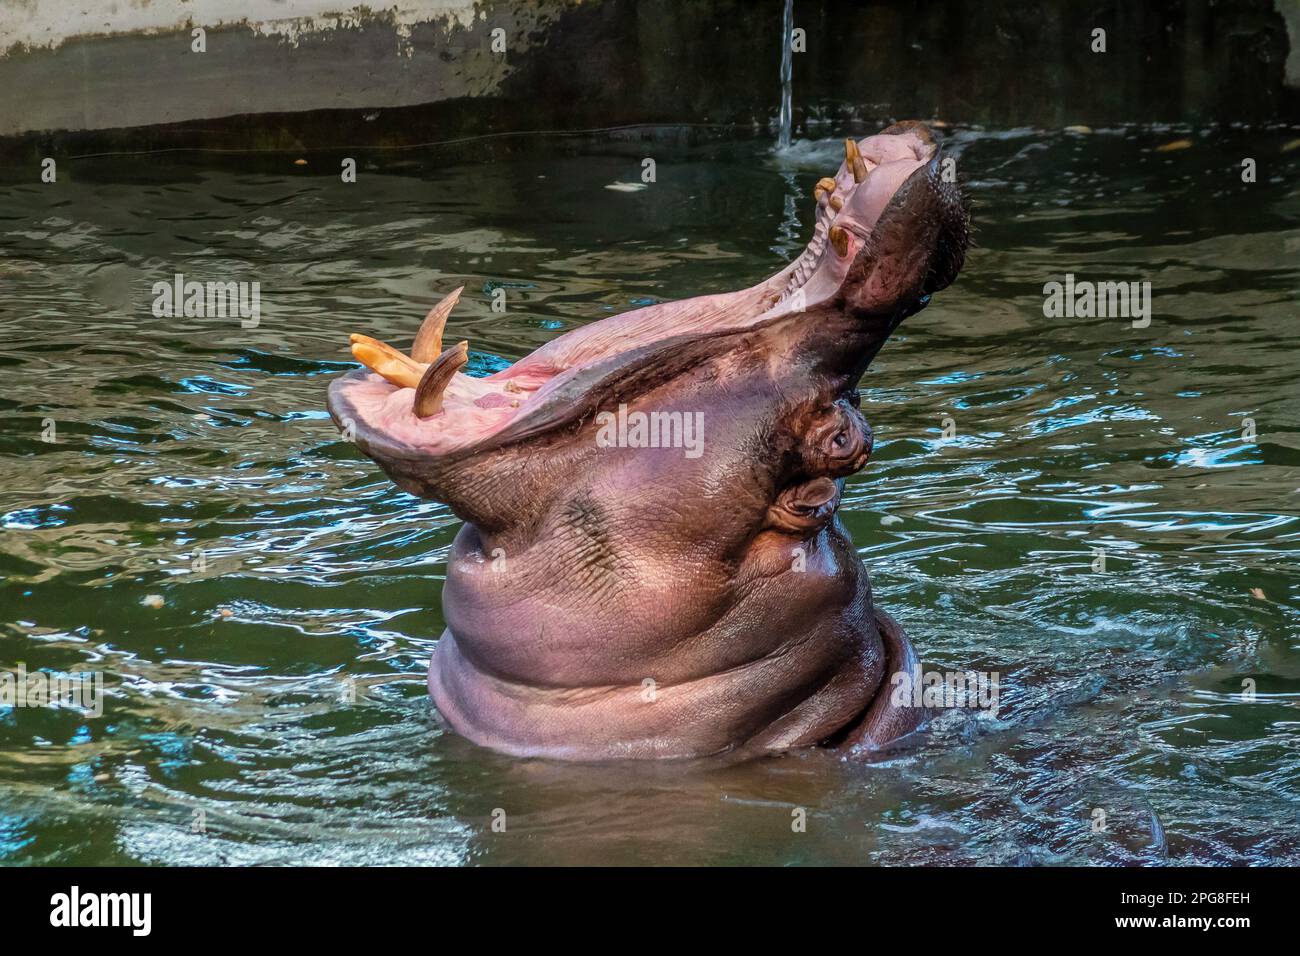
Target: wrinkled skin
x: 639, y: 602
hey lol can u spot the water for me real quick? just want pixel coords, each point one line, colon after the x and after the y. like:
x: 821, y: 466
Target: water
x: 787, y: 68
x: 225, y: 739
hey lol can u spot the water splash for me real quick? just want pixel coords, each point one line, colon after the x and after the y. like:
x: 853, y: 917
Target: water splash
x: 787, y: 68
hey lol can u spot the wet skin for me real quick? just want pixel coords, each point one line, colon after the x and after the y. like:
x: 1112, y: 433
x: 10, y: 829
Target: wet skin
x: 608, y: 601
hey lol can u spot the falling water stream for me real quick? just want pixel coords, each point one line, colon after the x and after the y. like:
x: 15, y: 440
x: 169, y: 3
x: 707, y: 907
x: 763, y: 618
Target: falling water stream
x: 787, y: 67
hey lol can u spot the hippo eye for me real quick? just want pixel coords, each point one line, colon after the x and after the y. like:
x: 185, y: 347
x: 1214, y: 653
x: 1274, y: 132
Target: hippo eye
x: 924, y: 300
x: 840, y: 440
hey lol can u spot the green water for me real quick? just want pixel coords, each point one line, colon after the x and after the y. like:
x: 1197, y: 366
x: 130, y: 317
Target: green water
x: 199, y: 533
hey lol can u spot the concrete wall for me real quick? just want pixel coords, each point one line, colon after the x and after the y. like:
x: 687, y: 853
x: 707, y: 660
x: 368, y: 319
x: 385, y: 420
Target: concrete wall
x: 306, y: 73
x: 50, y: 23
x: 102, y: 64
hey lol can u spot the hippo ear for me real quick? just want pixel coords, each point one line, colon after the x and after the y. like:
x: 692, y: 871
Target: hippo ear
x: 916, y: 248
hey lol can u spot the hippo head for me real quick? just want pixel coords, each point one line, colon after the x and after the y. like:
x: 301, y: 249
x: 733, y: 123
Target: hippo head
x: 651, y: 564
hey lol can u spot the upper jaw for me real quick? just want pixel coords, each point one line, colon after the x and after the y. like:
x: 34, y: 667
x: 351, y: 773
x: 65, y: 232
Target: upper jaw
x: 883, y: 162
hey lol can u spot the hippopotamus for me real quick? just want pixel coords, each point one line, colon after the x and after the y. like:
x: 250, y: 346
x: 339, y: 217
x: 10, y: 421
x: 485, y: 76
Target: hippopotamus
x: 651, y: 564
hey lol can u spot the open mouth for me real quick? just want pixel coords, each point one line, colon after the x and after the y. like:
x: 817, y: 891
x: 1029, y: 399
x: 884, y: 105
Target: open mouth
x: 420, y: 403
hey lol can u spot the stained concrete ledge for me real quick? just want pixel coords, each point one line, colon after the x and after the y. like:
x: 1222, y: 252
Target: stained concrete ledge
x: 287, y: 74
x: 145, y: 71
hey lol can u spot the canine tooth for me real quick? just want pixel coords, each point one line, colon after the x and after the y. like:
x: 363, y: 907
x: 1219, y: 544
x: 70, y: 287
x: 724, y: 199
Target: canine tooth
x: 853, y: 160
x: 389, y: 351
x: 428, y: 341
x: 431, y: 388
x: 837, y: 203
x: 840, y: 240
x: 388, y: 362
